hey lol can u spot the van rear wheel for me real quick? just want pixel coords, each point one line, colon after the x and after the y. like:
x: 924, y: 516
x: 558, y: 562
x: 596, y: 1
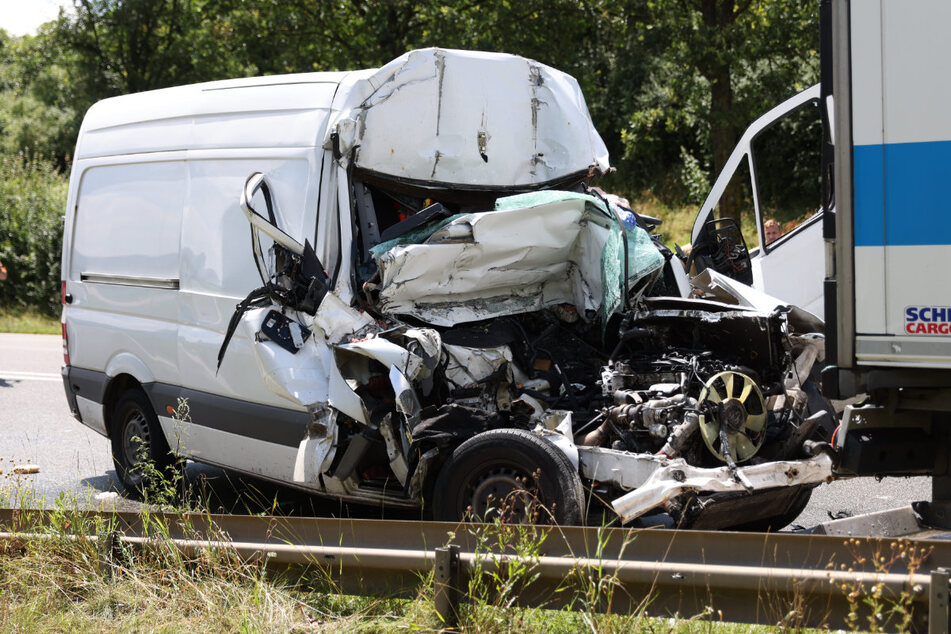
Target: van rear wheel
x: 509, y: 474
x: 139, y: 449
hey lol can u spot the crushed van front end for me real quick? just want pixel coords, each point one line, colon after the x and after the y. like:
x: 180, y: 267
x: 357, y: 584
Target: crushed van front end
x: 491, y: 343
x: 541, y: 346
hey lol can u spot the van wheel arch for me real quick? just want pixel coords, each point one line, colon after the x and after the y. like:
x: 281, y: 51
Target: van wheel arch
x: 115, y: 388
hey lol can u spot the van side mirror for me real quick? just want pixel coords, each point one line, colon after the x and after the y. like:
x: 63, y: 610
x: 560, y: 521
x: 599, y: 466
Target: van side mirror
x: 722, y: 248
x: 298, y: 279
x: 268, y: 226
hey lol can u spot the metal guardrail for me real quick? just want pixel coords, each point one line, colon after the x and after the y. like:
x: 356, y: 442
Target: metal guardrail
x: 743, y: 577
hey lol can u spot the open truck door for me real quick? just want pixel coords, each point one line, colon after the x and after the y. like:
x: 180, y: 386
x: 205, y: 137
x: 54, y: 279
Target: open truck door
x: 778, y: 248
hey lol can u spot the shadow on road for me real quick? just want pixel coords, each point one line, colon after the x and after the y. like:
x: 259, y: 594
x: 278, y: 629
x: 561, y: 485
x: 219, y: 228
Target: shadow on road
x: 108, y: 482
x: 222, y: 491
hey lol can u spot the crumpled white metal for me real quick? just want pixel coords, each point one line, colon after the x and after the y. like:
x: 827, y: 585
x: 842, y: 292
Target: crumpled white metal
x: 678, y: 477
x: 728, y: 290
x: 470, y: 118
x: 514, y: 261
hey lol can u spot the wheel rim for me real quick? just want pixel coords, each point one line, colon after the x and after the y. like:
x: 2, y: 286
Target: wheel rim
x: 501, y: 492
x: 135, y: 437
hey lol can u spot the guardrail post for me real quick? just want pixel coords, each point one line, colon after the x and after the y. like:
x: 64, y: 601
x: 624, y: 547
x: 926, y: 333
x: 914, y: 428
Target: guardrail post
x: 447, y: 586
x: 107, y: 550
x: 938, y: 602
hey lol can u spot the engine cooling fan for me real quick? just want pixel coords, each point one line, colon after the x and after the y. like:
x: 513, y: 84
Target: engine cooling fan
x: 733, y: 400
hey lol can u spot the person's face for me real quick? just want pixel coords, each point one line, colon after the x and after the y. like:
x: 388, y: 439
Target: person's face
x: 772, y: 232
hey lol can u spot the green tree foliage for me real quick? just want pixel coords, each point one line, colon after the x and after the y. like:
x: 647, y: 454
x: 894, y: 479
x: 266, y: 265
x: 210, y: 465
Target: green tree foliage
x: 38, y: 116
x: 669, y: 83
x: 135, y: 45
x: 716, y: 65
x: 32, y: 199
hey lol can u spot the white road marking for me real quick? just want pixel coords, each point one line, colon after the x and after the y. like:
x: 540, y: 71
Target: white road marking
x: 15, y: 375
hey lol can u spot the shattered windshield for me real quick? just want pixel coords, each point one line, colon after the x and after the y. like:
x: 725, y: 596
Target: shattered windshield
x: 533, y: 250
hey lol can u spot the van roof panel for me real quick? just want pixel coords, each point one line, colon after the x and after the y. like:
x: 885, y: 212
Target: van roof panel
x: 432, y: 116
x: 275, y: 111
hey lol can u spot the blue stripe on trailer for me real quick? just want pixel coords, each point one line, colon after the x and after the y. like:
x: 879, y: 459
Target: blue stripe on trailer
x: 902, y: 193
x: 867, y: 178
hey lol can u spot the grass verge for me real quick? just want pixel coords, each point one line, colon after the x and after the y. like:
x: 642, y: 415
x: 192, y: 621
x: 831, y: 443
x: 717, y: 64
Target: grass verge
x: 28, y: 321
x: 62, y: 582
x: 58, y: 585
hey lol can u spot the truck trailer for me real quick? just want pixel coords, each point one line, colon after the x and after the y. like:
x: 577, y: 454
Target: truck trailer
x: 885, y: 85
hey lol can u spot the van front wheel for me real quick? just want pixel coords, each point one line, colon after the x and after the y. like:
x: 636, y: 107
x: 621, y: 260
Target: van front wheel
x: 139, y: 449
x: 512, y: 475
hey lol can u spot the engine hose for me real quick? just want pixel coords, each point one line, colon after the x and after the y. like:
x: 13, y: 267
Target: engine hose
x: 597, y: 437
x: 632, y: 333
x: 591, y: 422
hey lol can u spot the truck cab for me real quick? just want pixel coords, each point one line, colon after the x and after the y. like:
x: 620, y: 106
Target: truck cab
x: 782, y: 236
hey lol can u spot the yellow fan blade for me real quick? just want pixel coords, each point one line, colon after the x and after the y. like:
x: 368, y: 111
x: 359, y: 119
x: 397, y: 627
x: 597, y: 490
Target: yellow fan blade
x: 742, y: 447
x: 755, y: 423
x: 747, y: 388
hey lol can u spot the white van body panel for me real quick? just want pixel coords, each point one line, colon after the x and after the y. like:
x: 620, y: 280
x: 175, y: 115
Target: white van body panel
x: 212, y: 446
x: 126, y: 363
x: 217, y: 272
x: 155, y: 255
x: 266, y: 112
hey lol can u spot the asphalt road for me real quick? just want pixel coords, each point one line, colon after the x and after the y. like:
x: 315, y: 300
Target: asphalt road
x: 36, y: 427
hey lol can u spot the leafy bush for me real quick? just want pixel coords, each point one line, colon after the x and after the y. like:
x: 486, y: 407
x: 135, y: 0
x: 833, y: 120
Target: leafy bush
x: 32, y: 202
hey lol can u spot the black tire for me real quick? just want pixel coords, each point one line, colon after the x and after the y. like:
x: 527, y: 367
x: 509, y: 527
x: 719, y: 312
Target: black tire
x: 137, y: 439
x: 778, y: 522
x: 508, y: 473
x: 816, y: 402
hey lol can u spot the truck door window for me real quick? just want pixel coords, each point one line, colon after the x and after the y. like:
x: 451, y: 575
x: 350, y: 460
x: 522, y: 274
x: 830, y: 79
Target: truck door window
x: 786, y: 159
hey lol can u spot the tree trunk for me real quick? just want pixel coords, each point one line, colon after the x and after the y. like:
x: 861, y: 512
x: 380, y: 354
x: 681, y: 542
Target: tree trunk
x: 718, y: 17
x: 722, y: 140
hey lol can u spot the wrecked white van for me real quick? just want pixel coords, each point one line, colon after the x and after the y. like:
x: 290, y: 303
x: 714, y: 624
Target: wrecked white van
x: 432, y: 309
